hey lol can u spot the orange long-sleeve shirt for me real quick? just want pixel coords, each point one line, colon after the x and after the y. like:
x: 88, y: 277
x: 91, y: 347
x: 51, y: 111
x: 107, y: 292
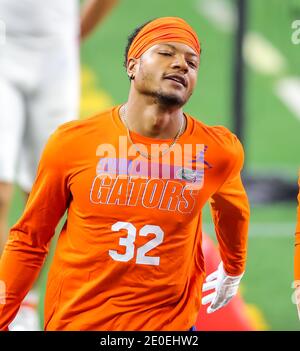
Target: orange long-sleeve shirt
x: 129, y: 256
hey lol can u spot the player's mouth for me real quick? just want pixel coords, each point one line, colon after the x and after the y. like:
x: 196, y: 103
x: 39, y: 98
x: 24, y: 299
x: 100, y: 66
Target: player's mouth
x: 177, y: 78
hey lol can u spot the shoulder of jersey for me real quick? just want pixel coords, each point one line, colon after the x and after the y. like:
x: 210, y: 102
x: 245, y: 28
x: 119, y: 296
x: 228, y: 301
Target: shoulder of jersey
x: 78, y: 134
x: 96, y: 122
x: 217, y: 134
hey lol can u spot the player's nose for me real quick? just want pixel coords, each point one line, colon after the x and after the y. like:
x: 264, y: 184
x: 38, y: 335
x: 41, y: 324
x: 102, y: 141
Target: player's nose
x: 179, y: 62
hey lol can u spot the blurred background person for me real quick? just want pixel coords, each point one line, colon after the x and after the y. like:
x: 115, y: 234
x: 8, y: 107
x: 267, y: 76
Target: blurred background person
x: 39, y: 90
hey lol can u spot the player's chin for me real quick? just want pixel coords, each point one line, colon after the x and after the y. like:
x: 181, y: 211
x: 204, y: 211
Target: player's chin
x: 169, y: 98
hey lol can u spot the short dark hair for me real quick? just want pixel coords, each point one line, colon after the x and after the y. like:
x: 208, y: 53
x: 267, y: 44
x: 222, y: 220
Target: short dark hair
x: 131, y: 38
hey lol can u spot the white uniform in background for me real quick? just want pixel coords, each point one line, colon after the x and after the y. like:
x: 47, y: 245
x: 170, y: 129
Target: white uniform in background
x: 39, y: 90
x: 39, y: 80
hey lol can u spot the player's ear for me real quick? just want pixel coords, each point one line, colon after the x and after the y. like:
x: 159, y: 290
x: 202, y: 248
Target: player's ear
x: 132, y: 68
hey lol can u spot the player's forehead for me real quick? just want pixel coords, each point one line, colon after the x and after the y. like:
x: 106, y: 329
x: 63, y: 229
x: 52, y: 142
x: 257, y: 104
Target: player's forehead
x: 176, y: 47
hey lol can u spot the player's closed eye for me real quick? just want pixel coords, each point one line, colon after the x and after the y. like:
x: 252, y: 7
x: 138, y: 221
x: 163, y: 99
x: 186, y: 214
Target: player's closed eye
x: 192, y: 64
x: 166, y: 53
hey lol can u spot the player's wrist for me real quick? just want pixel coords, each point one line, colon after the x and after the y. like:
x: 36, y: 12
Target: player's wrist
x: 230, y: 276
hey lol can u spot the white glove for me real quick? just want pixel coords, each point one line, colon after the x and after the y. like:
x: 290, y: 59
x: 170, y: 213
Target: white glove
x: 298, y: 300
x: 225, y: 287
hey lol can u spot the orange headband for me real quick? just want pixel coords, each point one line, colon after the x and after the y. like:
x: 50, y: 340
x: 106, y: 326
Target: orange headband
x: 160, y: 30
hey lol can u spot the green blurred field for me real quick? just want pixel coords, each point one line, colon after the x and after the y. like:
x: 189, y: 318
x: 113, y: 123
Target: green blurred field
x: 272, y: 132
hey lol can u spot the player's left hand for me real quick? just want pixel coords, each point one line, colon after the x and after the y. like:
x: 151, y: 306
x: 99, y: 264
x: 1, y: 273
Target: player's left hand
x: 225, y: 288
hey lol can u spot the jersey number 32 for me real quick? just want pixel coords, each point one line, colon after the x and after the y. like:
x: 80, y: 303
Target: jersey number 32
x: 129, y: 243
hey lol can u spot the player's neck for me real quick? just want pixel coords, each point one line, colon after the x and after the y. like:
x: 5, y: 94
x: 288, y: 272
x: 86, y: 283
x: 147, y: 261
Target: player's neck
x: 152, y: 120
